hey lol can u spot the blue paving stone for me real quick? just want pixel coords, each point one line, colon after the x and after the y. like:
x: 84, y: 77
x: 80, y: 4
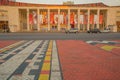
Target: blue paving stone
x: 37, y: 63
x: 1, y: 62
x: 21, y: 68
x: 17, y: 51
x: 94, y: 43
x: 6, y: 52
x: 24, y: 47
x: 111, y: 43
x: 33, y: 72
x: 31, y: 56
x: 9, y: 56
x: 39, y: 58
x: 36, y: 50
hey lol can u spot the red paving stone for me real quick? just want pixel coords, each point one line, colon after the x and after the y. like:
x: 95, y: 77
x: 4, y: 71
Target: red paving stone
x: 45, y: 72
x: 82, y: 61
x: 6, y: 43
x: 116, y: 51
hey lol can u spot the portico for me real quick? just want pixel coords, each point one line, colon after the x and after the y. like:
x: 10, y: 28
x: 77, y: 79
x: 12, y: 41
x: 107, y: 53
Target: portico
x: 59, y: 19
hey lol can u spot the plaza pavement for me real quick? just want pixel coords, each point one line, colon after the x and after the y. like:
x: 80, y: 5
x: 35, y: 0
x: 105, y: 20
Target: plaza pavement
x: 59, y: 60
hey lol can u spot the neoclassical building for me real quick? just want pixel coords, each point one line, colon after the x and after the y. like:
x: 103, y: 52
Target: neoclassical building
x: 26, y: 17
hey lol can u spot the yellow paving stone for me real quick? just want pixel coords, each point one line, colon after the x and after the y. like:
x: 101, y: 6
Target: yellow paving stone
x: 48, y: 58
x: 48, y: 53
x: 108, y: 48
x: 46, y: 66
x: 44, y: 77
x: 49, y: 50
x: 3, y: 50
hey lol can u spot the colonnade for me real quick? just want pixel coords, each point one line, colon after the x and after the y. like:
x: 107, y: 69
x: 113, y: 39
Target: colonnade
x: 88, y: 12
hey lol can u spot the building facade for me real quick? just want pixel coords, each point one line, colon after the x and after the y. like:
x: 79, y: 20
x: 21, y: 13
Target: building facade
x: 24, y: 17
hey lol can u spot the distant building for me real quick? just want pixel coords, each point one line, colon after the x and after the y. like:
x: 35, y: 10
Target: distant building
x: 12, y: 0
x: 68, y: 3
x: 26, y: 17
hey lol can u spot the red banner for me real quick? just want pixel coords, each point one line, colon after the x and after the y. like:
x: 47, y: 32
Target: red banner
x: 91, y: 19
x: 52, y: 18
x: 30, y: 19
x: 101, y: 19
x: 55, y: 18
x: 71, y: 18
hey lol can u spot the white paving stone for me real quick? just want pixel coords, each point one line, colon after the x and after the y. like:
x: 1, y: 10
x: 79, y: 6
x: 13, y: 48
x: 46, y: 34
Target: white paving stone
x: 7, y: 68
x: 55, y: 68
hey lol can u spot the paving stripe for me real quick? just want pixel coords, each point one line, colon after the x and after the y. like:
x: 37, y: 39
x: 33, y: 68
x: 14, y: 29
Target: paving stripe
x: 7, y: 68
x: 25, y: 65
x: 45, y: 71
x: 10, y: 46
x: 6, y: 57
x: 55, y: 68
x: 39, y: 62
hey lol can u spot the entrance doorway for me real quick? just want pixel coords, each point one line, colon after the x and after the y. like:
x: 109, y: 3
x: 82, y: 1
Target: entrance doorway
x: 4, y: 26
x: 118, y: 26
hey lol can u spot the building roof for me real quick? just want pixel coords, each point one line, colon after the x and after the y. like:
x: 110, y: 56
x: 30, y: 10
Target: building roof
x: 12, y: 3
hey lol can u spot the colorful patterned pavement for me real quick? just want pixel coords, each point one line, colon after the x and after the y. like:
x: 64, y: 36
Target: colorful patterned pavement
x: 5, y: 43
x: 59, y: 60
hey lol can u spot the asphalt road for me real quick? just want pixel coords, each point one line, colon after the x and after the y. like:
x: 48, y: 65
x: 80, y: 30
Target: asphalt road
x: 59, y: 36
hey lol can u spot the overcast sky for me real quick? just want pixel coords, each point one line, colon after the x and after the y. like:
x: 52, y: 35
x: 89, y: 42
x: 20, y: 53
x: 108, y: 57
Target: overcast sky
x: 108, y: 2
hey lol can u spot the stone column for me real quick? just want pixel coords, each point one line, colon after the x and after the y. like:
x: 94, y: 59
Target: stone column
x: 107, y: 18
x: 28, y: 26
x: 48, y: 19
x: 58, y: 19
x: 98, y: 13
x: 68, y: 19
x: 38, y: 20
x: 78, y: 19
x: 88, y: 24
